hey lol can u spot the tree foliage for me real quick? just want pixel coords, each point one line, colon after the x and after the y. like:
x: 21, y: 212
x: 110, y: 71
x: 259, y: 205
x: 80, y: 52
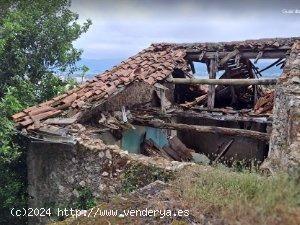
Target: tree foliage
x: 36, y: 37
x: 36, y: 41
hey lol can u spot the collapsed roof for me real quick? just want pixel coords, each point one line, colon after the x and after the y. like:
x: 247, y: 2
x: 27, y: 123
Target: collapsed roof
x: 151, y: 65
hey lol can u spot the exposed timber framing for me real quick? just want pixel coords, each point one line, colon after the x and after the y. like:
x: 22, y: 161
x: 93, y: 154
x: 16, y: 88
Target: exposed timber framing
x: 193, y: 114
x: 223, y: 152
x: 267, y: 54
x: 192, y: 66
x: 212, y: 89
x: 236, y: 118
x: 203, y: 129
x: 230, y: 111
x: 271, y: 65
x: 228, y: 57
x: 221, y: 110
x: 246, y: 82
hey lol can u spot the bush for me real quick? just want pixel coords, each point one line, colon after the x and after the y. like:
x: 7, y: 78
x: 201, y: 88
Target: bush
x: 12, y: 158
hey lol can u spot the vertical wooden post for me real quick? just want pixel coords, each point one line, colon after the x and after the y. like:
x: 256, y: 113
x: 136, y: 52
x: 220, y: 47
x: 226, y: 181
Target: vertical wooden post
x: 211, y: 89
x: 192, y: 66
x: 162, y: 101
x: 255, y: 94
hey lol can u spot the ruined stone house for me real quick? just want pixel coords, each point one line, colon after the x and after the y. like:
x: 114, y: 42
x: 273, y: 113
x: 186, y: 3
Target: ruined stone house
x: 151, y: 109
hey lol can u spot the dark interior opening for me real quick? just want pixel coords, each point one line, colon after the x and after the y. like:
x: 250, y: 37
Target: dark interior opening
x: 184, y: 93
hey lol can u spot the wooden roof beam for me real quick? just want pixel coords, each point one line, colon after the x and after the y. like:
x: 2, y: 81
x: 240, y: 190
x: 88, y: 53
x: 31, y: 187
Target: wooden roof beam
x: 246, y: 82
x: 268, y: 54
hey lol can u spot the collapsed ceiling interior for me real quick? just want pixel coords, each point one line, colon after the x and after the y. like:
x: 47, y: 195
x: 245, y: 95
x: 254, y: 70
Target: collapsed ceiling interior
x: 159, y: 89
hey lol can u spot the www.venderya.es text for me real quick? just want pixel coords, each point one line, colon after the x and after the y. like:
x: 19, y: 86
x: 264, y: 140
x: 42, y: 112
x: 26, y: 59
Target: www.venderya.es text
x: 95, y: 212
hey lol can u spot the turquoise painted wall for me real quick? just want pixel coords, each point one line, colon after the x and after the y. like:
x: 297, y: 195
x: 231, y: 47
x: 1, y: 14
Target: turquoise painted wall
x: 133, y: 138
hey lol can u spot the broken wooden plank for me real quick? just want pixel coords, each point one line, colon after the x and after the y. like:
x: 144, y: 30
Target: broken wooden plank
x: 184, y: 152
x: 228, y: 56
x: 259, y: 55
x: 218, y: 116
x: 224, y: 150
x: 222, y: 110
x: 161, y: 94
x: 212, y: 88
x: 271, y: 65
x: 245, y: 82
x: 149, y: 148
x: 173, y: 154
x: 236, y: 118
x: 204, y: 129
x: 198, y: 100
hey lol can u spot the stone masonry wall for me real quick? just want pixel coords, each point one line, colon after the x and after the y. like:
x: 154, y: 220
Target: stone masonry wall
x: 56, y: 172
x: 284, y: 150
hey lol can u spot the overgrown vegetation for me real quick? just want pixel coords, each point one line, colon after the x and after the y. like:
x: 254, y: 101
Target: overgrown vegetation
x: 85, y: 199
x: 212, y: 196
x: 138, y: 175
x: 241, y: 197
x: 35, y: 42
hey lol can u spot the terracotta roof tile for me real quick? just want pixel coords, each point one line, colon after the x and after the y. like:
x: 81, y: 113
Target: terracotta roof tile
x: 26, y: 121
x: 80, y: 104
x: 124, y: 79
x: 18, y: 115
x: 88, y: 94
x: 111, y: 89
x: 30, y: 109
x: 116, y: 82
x: 69, y: 99
x: 151, y: 65
x: 40, y: 110
x: 150, y: 80
x: 45, y: 115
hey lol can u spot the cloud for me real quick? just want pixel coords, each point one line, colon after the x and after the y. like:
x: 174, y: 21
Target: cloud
x: 122, y: 28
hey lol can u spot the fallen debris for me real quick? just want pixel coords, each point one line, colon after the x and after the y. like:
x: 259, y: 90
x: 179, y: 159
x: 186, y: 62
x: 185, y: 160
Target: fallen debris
x: 265, y: 103
x: 176, y: 150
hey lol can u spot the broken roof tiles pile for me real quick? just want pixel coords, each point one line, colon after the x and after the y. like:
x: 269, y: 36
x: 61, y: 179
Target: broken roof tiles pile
x: 150, y: 65
x: 265, y: 103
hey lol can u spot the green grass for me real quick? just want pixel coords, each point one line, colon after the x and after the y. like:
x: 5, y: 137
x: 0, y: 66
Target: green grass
x: 244, y: 196
x: 213, y: 194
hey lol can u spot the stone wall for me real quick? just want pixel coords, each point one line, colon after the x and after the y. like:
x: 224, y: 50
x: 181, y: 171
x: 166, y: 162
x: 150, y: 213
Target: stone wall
x: 137, y: 93
x: 284, y: 150
x: 57, y: 171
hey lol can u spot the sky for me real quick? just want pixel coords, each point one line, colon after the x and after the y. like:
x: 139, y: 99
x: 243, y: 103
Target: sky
x: 122, y: 28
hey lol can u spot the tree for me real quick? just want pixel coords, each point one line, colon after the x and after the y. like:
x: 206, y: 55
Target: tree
x: 36, y: 38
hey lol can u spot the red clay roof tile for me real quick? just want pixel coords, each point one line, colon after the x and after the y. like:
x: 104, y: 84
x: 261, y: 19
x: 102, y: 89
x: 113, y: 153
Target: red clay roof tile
x: 69, y: 99
x: 88, y: 94
x: 45, y: 115
x: 18, y: 115
x: 151, y: 65
x: 27, y: 121
x: 40, y: 110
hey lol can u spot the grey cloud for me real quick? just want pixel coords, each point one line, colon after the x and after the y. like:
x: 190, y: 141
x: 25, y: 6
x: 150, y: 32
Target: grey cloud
x: 122, y: 28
